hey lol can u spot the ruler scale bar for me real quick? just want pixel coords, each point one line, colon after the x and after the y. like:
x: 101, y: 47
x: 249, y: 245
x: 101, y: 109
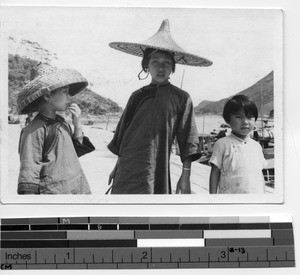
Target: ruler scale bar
x: 147, y: 242
x: 44, y: 227
x: 217, y: 234
x: 67, y: 243
x: 161, y: 254
x: 131, y: 242
x: 171, y: 234
x: 103, y: 226
x: 23, y: 227
x: 242, y: 242
x: 133, y: 227
x: 170, y: 242
x: 101, y: 235
x: 15, y: 235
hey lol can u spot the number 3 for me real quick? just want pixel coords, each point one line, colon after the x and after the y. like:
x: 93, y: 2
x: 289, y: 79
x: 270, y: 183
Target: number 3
x: 223, y: 254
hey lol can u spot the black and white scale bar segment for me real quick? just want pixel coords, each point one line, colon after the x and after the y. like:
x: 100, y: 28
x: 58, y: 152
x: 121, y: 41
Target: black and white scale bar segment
x: 146, y: 242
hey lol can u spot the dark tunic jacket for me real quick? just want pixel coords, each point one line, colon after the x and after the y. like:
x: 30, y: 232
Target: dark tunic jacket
x: 55, y: 170
x: 153, y: 117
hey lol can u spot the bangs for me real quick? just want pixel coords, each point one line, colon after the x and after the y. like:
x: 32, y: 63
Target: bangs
x: 239, y: 103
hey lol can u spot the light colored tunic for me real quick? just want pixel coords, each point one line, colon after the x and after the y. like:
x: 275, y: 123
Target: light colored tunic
x: 57, y: 172
x: 153, y: 117
x: 241, y: 163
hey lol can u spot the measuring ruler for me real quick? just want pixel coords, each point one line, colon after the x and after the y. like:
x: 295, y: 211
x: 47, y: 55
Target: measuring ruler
x: 147, y: 242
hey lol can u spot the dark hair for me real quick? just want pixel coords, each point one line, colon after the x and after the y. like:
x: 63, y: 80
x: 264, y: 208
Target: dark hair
x: 238, y: 102
x: 147, y: 56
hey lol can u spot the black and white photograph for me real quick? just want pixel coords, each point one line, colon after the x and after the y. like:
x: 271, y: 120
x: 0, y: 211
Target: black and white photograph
x: 115, y: 105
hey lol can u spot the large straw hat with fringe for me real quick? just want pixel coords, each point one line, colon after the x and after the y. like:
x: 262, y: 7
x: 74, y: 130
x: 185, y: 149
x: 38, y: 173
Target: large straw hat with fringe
x: 45, y: 78
x: 162, y: 40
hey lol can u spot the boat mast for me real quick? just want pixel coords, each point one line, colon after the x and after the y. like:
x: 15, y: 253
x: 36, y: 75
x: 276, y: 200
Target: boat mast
x: 108, y: 115
x: 181, y: 85
x: 261, y: 110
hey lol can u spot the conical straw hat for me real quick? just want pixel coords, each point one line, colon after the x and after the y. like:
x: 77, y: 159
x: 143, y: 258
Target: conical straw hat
x: 44, y: 79
x: 162, y: 40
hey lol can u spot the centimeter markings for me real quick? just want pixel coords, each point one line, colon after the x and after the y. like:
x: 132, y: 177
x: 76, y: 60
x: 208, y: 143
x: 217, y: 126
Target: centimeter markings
x: 155, y: 242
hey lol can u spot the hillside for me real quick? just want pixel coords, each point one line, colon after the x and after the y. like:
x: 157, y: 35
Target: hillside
x: 30, y: 49
x: 94, y: 104
x: 19, y: 73
x: 266, y: 84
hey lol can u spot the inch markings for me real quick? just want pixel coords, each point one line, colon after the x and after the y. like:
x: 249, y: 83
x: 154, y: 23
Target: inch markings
x: 146, y: 242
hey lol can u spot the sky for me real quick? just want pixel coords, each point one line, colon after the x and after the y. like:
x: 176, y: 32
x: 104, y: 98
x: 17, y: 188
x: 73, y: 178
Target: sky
x: 244, y: 45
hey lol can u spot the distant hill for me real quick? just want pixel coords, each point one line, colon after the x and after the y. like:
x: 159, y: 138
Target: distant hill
x: 30, y: 49
x: 19, y: 73
x: 95, y: 104
x: 254, y: 92
x: 204, y: 103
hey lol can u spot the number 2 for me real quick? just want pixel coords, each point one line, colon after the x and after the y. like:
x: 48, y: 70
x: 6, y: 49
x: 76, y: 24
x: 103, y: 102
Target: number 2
x: 145, y: 254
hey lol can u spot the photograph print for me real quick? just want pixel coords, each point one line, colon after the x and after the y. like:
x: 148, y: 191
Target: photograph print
x: 141, y: 105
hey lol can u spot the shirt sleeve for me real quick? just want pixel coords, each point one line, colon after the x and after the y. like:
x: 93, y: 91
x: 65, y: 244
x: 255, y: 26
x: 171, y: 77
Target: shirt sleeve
x: 217, y: 154
x: 83, y: 148
x: 187, y: 134
x: 114, y: 145
x: 31, y: 151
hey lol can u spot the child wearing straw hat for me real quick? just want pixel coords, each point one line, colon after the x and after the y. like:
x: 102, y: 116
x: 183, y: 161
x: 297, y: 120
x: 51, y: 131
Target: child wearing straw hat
x: 153, y: 117
x: 48, y: 148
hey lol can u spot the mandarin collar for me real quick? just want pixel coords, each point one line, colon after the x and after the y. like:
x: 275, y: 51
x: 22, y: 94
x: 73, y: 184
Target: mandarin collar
x: 159, y: 85
x: 240, y: 139
x: 50, y: 120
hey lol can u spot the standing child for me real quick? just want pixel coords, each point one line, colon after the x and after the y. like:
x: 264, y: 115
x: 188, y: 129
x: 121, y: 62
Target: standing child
x: 48, y: 148
x: 153, y: 117
x: 237, y: 160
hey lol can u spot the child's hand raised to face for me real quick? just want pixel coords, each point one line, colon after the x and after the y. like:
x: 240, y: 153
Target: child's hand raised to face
x: 76, y: 114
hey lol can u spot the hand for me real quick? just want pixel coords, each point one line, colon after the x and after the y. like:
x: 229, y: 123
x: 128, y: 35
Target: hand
x: 111, y: 176
x: 184, y: 184
x: 76, y: 114
x: 113, y: 172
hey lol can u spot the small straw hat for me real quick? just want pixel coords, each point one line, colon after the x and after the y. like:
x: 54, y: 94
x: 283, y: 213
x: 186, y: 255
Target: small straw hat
x: 162, y: 40
x: 45, y: 78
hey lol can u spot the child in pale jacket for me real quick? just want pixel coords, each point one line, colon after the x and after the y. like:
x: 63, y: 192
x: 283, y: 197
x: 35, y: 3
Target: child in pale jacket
x: 237, y: 160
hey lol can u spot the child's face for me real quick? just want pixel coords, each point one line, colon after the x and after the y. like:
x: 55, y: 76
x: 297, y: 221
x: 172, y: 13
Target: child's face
x: 59, y: 99
x: 241, y: 125
x: 160, y: 67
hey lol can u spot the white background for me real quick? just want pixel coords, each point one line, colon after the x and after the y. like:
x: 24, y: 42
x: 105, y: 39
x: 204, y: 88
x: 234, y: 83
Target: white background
x: 291, y: 150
